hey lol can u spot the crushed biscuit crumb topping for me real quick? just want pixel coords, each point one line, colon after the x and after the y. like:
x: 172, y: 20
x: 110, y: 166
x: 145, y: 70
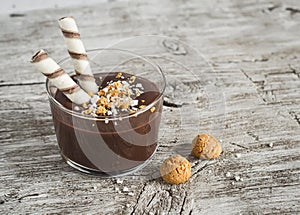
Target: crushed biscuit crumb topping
x: 116, y: 97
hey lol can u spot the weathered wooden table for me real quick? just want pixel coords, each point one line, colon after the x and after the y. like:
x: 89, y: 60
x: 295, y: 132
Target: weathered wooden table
x: 253, y: 47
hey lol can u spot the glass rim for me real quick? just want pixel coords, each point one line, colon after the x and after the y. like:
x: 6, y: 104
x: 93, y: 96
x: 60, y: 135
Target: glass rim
x: 140, y: 111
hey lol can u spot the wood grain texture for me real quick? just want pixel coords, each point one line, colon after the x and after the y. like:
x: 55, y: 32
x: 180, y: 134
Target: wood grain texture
x: 254, y: 49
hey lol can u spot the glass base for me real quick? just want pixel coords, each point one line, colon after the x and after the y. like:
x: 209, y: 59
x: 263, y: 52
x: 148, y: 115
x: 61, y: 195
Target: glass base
x: 104, y: 174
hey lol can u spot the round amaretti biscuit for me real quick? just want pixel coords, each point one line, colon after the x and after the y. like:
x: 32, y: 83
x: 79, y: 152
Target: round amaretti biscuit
x: 205, y: 146
x: 175, y: 170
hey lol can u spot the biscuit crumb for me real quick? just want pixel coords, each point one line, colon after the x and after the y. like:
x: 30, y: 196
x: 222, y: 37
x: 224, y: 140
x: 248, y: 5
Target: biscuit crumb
x: 175, y: 170
x: 152, y: 109
x: 205, y: 146
x: 132, y: 79
x: 119, y: 75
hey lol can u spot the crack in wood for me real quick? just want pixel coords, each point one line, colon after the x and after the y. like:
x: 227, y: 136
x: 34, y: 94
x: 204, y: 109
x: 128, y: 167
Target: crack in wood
x: 17, y: 109
x: 151, y: 200
x: 171, y: 104
x: 258, y: 84
x: 267, y: 96
x: 138, y: 199
x: 12, y: 15
x: 247, y: 76
x: 280, y: 73
x: 21, y: 84
x: 28, y: 195
x: 183, y: 203
x: 263, y: 59
x: 295, y: 116
x: 292, y: 10
x: 170, y: 192
x: 236, y: 144
x: 294, y: 71
x: 273, y: 7
x: 202, y: 168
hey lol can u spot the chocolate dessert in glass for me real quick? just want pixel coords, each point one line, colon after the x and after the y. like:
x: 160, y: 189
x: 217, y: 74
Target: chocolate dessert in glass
x: 106, y: 108
x: 116, y: 131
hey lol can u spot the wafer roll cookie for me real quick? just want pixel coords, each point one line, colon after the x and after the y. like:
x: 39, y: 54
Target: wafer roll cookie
x: 61, y: 80
x: 78, y: 54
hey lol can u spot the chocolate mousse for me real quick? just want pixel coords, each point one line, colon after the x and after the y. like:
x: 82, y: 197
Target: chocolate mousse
x: 117, y: 131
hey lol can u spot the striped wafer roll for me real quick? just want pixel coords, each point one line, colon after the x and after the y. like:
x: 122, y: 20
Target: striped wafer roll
x: 78, y: 54
x: 61, y: 80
